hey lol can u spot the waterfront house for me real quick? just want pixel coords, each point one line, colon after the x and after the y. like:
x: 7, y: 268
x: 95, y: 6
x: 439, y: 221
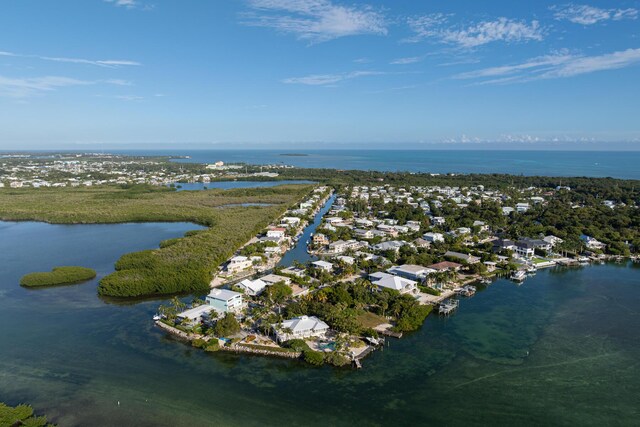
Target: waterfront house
x: 252, y: 287
x: 238, y: 263
x: 383, y: 280
x: 553, y: 240
x: 411, y: 271
x: 195, y: 314
x: 320, y: 239
x: 342, y: 246
x: 224, y: 300
x: 525, y: 248
x: 300, y: 328
x: 323, y: 265
x: 591, y: 242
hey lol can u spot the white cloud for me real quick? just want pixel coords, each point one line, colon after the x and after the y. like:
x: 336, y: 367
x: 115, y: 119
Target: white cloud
x: 407, y: 60
x: 26, y: 87
x: 108, y: 63
x: 315, y: 20
x: 329, y: 79
x: 589, y: 15
x: 129, y: 4
x: 558, y: 65
x: 503, y: 29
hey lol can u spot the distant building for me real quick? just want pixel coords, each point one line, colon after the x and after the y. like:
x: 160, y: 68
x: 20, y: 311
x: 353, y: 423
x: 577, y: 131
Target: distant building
x: 433, y: 237
x: 238, y: 263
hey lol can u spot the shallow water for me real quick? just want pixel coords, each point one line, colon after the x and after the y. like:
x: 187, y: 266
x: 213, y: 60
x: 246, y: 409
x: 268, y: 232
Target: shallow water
x: 561, y: 349
x: 228, y: 185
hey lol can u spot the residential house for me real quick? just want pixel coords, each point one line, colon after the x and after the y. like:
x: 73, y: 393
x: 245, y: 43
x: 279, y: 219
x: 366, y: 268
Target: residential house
x: 363, y: 233
x: 238, y: 263
x: 433, y: 237
x: 446, y: 266
x: 252, y: 287
x: 411, y: 271
x: 592, y: 243
x: 522, y: 207
x: 323, y: 265
x: 300, y: 328
x: 469, y: 259
x: 320, y: 239
x: 271, y: 279
x: 225, y: 301
x: 195, y: 314
x: 383, y: 280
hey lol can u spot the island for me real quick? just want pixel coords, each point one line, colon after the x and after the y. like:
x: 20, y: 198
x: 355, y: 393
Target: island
x: 369, y: 255
x: 58, y: 276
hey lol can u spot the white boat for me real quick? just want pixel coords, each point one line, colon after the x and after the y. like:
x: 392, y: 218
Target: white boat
x: 519, y: 275
x: 156, y: 317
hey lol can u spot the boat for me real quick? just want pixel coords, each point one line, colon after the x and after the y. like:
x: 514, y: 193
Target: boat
x: 157, y: 317
x: 518, y: 275
x: 485, y: 281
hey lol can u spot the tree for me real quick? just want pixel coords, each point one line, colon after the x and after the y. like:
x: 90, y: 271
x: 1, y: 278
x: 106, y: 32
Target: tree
x: 226, y: 326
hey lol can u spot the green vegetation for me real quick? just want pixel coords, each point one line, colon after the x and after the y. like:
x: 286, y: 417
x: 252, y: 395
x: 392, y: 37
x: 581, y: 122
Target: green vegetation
x: 21, y: 415
x: 315, y: 358
x: 226, y: 326
x: 58, y: 276
x: 180, y: 265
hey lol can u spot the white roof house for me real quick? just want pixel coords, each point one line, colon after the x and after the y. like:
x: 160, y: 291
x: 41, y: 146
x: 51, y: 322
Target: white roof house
x: 252, y: 287
x: 224, y: 300
x: 389, y: 281
x: 410, y: 271
x: 433, y: 237
x: 271, y: 279
x: 195, y: 314
x: 238, y: 263
x: 300, y: 327
x: 323, y: 265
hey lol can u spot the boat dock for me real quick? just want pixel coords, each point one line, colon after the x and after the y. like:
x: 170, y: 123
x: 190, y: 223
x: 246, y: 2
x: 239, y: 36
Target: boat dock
x: 447, y: 307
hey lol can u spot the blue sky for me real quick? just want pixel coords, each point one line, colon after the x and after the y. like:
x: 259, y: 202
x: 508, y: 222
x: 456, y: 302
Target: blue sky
x: 317, y: 73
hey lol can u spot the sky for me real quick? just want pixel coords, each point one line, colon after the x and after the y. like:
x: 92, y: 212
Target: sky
x: 318, y: 73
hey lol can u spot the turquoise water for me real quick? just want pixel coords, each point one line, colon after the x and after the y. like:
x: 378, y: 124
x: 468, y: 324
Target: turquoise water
x: 561, y: 349
x: 617, y: 164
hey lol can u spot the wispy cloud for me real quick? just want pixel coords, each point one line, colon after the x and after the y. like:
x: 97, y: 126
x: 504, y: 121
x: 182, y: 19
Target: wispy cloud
x: 26, y: 87
x: 558, y: 65
x: 329, y: 79
x: 437, y: 27
x: 589, y: 15
x: 129, y: 4
x: 315, y: 20
x: 407, y: 60
x: 108, y: 63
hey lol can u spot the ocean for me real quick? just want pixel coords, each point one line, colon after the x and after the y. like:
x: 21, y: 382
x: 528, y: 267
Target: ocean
x: 615, y: 164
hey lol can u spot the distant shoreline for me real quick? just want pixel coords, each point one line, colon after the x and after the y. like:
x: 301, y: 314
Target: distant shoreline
x: 294, y: 154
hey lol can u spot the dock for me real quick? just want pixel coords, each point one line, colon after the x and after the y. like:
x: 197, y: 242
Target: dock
x: 445, y: 308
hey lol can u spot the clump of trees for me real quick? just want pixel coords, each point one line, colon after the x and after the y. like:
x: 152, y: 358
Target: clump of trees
x: 58, y: 276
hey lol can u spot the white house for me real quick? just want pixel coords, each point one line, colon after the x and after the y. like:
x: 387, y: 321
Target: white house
x: 389, y: 281
x: 323, y: 265
x: 223, y: 300
x: 438, y: 220
x: 238, y: 263
x: 553, y: 240
x: 271, y: 279
x: 433, y: 237
x: 300, y: 328
x: 411, y: 271
x: 591, y: 242
x: 291, y: 220
x: 252, y: 287
x: 276, y: 233
x: 195, y: 314
x: 522, y: 207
